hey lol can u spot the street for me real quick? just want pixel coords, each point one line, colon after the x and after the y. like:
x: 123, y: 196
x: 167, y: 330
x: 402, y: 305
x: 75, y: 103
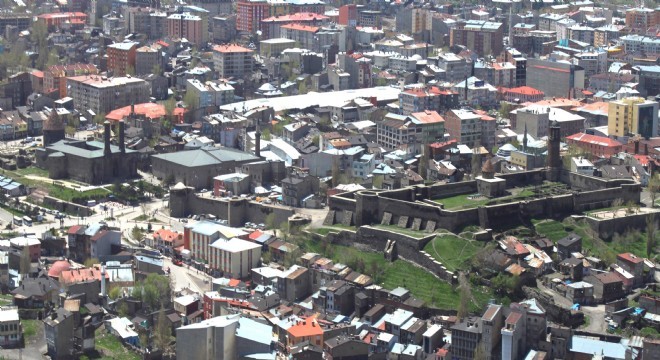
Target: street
x: 186, y: 277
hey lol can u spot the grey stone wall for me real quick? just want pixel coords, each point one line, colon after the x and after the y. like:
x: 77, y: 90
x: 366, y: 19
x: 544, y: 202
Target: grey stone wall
x: 236, y: 211
x: 67, y: 207
x: 606, y: 228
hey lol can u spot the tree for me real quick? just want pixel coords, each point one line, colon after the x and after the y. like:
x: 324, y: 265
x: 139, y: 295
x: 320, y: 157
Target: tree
x: 154, y: 291
x: 423, y: 163
x: 99, y: 118
x: 122, y: 309
x: 651, y: 227
x: 480, y: 352
x: 302, y: 87
x: 170, y: 106
x: 156, y: 69
x: 191, y: 100
x: 130, y: 70
x: 265, y: 134
x: 653, y: 188
x: 476, y: 161
x: 162, y: 331
x: 336, y: 173
x: 114, y: 293
x: 91, y: 262
x: 465, y: 296
x: 25, y: 262
x: 505, y: 109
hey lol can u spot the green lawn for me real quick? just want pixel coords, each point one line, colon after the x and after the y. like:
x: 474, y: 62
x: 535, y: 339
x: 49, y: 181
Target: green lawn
x: 111, y: 347
x: 325, y: 230
x: 463, y: 201
x: 32, y: 170
x: 30, y: 328
x: 6, y: 299
x: 420, y: 282
x: 394, y: 228
x: 68, y: 194
x: 453, y: 252
x: 632, y: 242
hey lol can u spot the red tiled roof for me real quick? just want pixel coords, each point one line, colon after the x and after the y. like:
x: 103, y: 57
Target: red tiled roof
x: 150, y: 110
x: 428, y: 117
x: 513, y: 318
x: 57, y: 268
x: 62, y: 15
x: 80, y: 275
x: 255, y: 235
x: 525, y: 90
x: 300, y: 27
x: 166, y: 235
x: 630, y: 258
x: 37, y: 73
x: 231, y: 48
x: 306, y: 328
x: 74, y: 229
x: 593, y: 139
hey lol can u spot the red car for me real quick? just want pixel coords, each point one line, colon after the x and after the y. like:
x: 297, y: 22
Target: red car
x: 177, y: 262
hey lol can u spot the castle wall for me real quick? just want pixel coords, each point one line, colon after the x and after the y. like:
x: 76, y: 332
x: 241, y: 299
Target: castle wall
x: 236, y: 211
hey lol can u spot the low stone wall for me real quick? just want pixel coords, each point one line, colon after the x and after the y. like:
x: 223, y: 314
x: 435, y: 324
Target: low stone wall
x: 67, y: 207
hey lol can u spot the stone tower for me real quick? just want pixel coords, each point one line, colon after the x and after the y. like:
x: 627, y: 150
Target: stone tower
x: 53, y: 128
x: 554, y: 158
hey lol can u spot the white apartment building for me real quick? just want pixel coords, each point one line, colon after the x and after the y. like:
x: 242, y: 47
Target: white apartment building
x: 102, y: 95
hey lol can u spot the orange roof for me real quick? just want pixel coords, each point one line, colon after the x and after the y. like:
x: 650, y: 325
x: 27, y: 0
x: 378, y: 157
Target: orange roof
x: 62, y: 15
x: 300, y: 27
x: 593, y: 139
x: 305, y: 328
x: 555, y: 102
x: 599, y: 107
x: 301, y: 16
x: 630, y: 258
x: 57, y: 268
x: 80, y: 275
x: 37, y: 73
x: 166, y: 235
x: 231, y: 48
x: 255, y: 235
x: 234, y: 282
x: 150, y: 110
x: 428, y: 117
x: 525, y: 90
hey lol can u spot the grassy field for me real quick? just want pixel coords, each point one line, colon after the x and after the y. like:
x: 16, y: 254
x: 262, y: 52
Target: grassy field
x: 110, y: 347
x: 30, y: 328
x: 420, y: 282
x: 463, y: 201
x: 6, y: 299
x: 325, y: 230
x: 32, y: 170
x: 453, y: 252
x: 634, y: 242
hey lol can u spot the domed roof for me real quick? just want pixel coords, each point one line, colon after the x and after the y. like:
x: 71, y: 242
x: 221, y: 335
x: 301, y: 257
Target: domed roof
x: 54, y: 122
x: 57, y: 268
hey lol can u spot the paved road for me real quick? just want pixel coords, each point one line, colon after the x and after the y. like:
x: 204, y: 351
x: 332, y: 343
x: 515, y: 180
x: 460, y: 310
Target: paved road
x: 185, y: 277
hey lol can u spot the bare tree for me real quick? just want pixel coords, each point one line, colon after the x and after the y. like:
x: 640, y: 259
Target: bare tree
x: 465, y: 296
x: 653, y: 188
x: 25, y: 262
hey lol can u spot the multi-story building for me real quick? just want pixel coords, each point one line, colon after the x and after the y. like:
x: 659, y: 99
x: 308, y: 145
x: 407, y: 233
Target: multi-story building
x: 54, y: 76
x: 370, y: 18
x: 146, y: 59
x: 633, y: 115
x: 303, y: 35
x: 348, y: 15
x: 649, y: 79
x: 223, y: 28
x: 121, y: 58
x: 22, y: 21
x: 465, y: 126
x: 523, y: 94
x: 593, y: 62
x: 456, y: 68
x: 418, y: 99
x: 476, y: 92
x: 514, y: 57
x: 465, y: 337
x: 56, y: 20
x: 234, y: 258
x: 102, y: 95
x: 11, y: 330
x: 495, y: 73
x: 400, y: 131
x: 639, y: 43
x: 605, y: 35
x: 548, y: 21
x: 58, y: 329
x: 554, y: 78
x: 270, y: 27
x: 482, y: 37
x: 598, y: 146
x: 250, y: 13
x: 581, y: 33
x: 150, y: 22
x: 210, y: 93
x: 562, y: 26
x: 194, y: 28
x: 275, y: 46
x: 640, y: 19
x: 232, y: 60
x: 200, y: 236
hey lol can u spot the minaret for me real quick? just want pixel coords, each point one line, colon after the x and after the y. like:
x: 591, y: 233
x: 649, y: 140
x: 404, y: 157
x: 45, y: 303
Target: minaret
x: 525, y: 140
x: 103, y: 281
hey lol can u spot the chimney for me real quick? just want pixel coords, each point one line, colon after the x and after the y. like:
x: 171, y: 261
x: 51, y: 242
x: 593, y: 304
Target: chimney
x: 257, y: 143
x: 122, y: 142
x: 106, y: 138
x: 636, y: 147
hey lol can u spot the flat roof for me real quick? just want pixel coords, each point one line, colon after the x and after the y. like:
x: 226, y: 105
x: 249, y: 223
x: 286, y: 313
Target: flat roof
x: 234, y: 245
